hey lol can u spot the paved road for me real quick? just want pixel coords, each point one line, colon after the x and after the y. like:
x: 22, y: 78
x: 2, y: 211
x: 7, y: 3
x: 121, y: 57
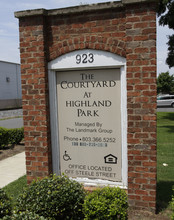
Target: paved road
x: 164, y: 109
x: 12, y: 123
x: 10, y: 113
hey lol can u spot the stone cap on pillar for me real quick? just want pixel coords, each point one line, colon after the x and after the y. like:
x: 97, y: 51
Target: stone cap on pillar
x: 79, y: 9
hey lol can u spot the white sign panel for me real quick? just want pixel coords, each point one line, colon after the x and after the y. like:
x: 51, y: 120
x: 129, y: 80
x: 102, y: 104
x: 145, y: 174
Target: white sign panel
x: 89, y: 120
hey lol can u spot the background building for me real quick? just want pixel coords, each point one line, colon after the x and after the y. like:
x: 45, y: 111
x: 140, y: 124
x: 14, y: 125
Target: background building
x: 10, y: 85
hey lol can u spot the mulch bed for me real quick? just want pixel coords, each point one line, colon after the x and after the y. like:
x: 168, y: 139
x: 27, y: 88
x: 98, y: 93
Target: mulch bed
x: 145, y: 215
x: 11, y: 151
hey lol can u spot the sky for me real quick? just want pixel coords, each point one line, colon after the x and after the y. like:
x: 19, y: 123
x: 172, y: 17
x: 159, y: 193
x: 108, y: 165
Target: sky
x: 9, y: 29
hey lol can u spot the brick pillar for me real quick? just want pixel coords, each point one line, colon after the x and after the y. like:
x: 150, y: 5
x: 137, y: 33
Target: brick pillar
x: 35, y: 97
x: 141, y: 99
x: 126, y: 28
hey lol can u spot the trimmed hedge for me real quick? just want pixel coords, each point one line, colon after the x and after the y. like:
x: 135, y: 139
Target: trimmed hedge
x: 106, y: 203
x: 10, y: 136
x: 54, y: 197
x: 24, y: 216
x: 5, y: 204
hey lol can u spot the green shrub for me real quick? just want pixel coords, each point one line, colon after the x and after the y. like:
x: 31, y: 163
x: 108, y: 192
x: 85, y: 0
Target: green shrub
x: 106, y: 203
x: 5, y: 204
x: 15, y: 135
x: 10, y: 136
x: 24, y: 216
x: 4, y: 136
x: 55, y: 197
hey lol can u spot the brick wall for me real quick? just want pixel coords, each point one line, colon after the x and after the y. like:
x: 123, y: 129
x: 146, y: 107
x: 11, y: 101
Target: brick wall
x: 141, y: 105
x: 141, y: 92
x: 128, y: 30
x: 35, y: 97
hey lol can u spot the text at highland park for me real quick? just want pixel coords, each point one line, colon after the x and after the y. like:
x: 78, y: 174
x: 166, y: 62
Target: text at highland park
x: 89, y: 119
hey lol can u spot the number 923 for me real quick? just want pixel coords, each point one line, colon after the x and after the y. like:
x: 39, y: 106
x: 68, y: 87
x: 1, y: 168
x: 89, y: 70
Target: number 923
x: 85, y: 58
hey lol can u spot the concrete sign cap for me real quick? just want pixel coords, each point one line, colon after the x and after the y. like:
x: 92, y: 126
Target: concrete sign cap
x: 128, y: 2
x: 78, y: 9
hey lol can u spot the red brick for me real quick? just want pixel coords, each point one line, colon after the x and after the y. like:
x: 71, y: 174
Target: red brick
x: 141, y: 192
x: 133, y: 19
x: 133, y: 69
x: 43, y: 159
x: 141, y: 25
x: 36, y: 164
x: 149, y: 117
x: 151, y: 164
x: 139, y: 180
x: 133, y: 141
x: 134, y: 117
x: 141, y: 38
x: 141, y: 158
x: 141, y: 99
x: 141, y: 50
x: 29, y: 168
x: 136, y: 175
x: 141, y: 169
x: 149, y: 198
x: 134, y: 152
x: 149, y: 175
x: 134, y: 197
x: 148, y: 18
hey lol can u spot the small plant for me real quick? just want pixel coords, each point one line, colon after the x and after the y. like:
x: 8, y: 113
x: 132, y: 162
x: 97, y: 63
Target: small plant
x: 54, y: 197
x: 10, y: 136
x: 106, y: 203
x: 24, y: 216
x: 5, y: 204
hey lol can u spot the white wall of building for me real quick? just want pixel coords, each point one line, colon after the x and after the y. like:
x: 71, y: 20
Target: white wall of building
x: 10, y: 85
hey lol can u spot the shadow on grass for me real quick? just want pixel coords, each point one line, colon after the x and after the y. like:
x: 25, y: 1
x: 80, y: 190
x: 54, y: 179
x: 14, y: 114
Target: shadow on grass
x: 168, y: 116
x: 164, y: 194
x: 169, y: 128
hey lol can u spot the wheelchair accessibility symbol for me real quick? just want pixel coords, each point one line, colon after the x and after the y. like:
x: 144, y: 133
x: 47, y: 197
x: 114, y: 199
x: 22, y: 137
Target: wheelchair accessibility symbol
x: 66, y: 156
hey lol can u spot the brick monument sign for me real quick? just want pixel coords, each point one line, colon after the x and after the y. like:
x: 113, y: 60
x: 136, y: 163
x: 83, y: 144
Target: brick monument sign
x: 89, y: 95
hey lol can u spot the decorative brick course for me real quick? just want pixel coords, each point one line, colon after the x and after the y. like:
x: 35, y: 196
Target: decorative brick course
x: 128, y: 30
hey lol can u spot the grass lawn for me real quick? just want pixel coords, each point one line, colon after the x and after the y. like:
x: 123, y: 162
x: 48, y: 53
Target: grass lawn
x: 165, y: 155
x: 165, y: 158
x: 15, y: 188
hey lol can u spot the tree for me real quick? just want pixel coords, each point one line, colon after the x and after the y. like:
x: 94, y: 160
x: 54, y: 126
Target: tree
x: 165, y: 83
x: 166, y: 14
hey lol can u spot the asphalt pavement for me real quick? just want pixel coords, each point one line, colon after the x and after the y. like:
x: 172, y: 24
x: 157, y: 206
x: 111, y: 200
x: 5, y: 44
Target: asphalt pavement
x: 164, y: 109
x: 12, y: 123
x: 11, y: 113
x: 8, y: 118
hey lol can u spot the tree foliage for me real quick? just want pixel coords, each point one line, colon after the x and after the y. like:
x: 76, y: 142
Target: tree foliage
x: 165, y: 83
x: 166, y: 14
